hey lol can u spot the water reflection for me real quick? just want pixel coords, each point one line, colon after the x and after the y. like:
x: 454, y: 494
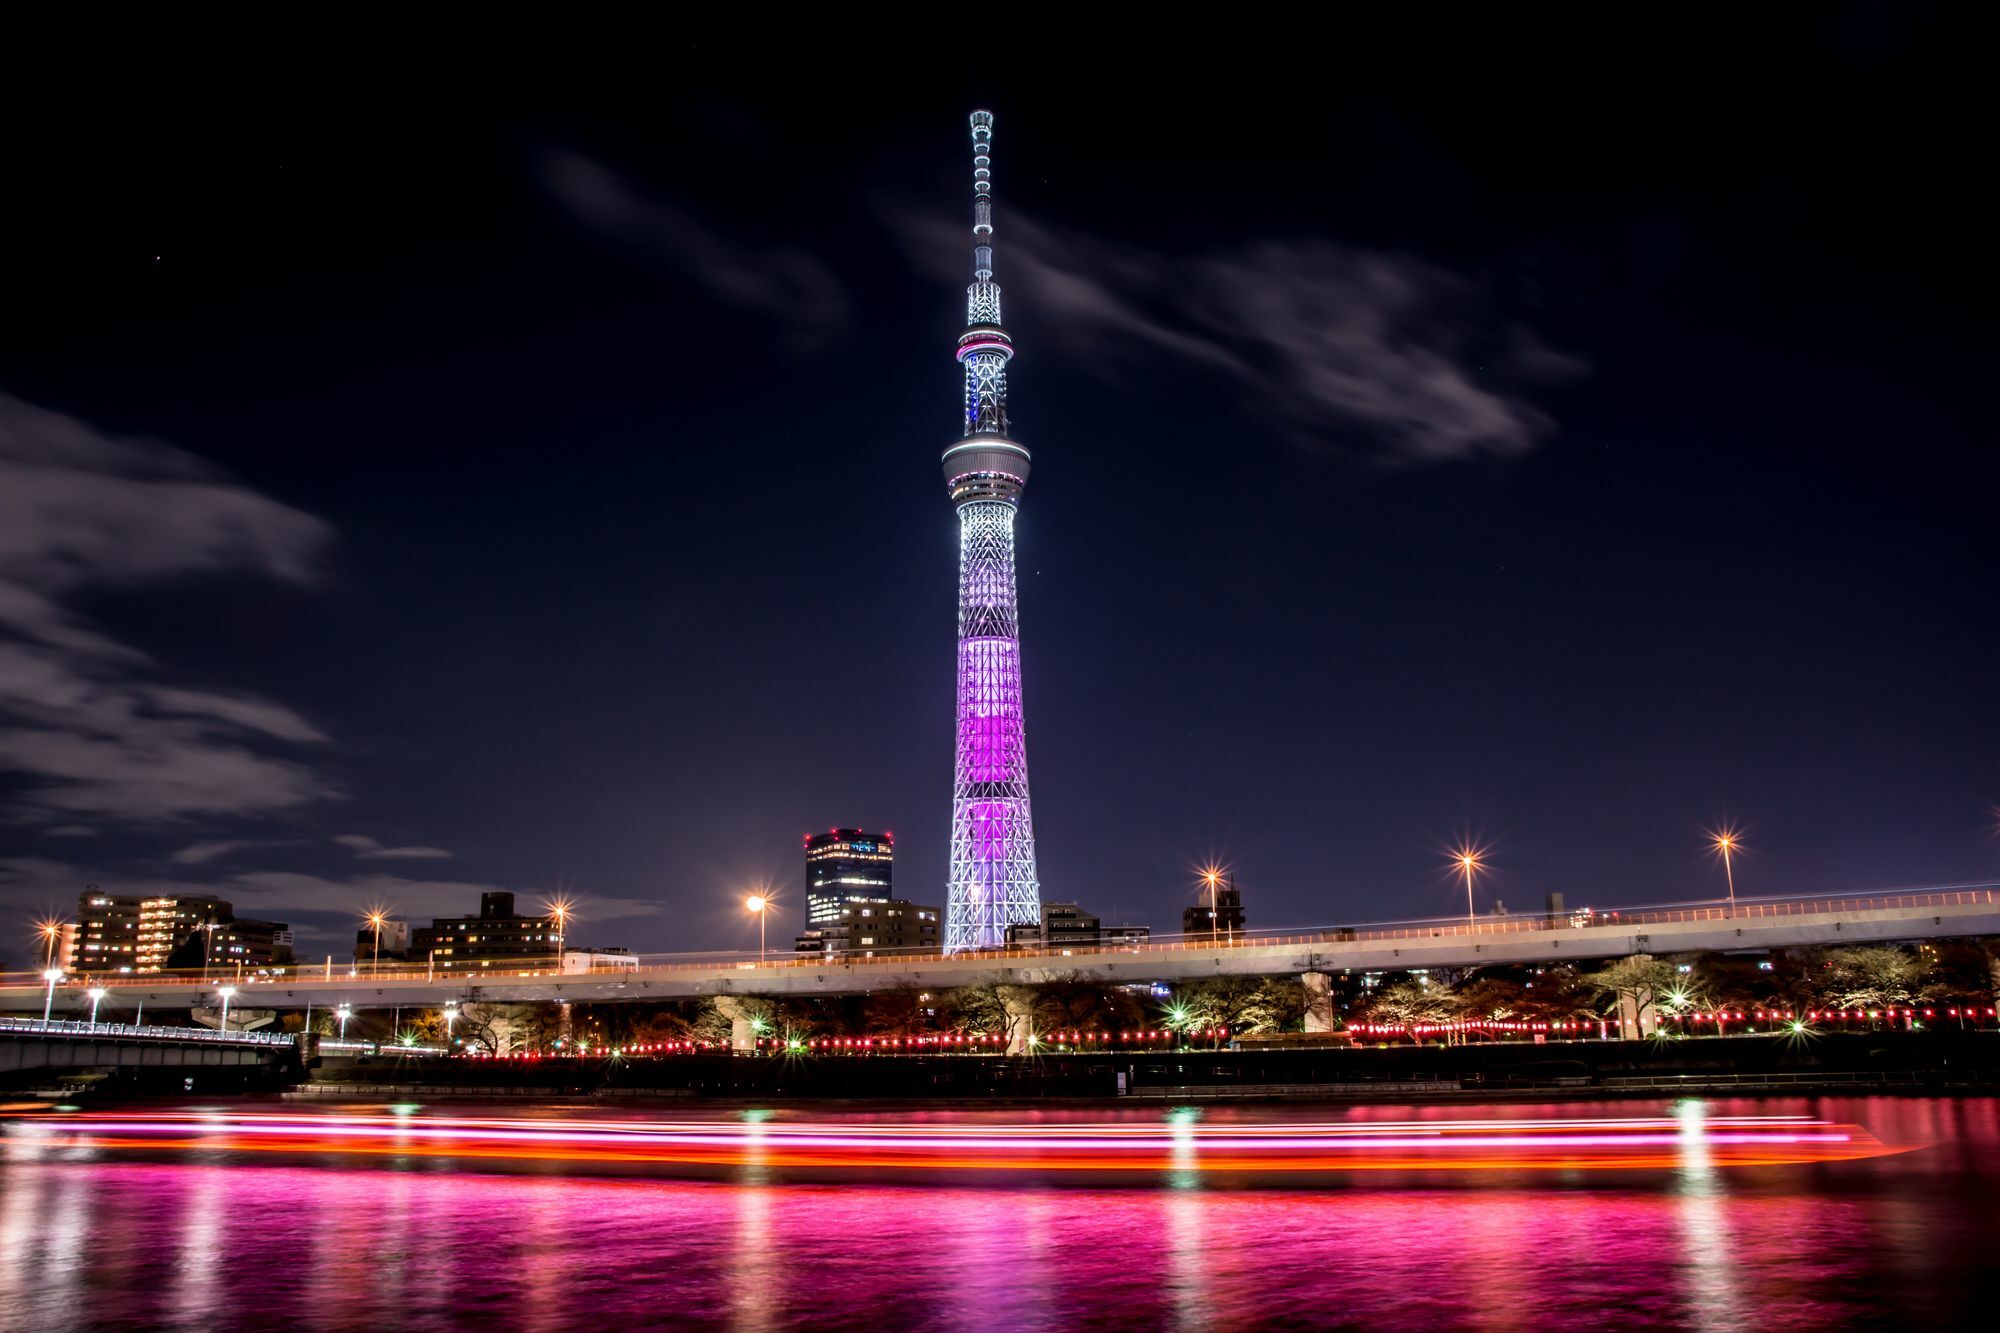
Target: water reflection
x: 1706, y: 1247
x: 217, y: 1240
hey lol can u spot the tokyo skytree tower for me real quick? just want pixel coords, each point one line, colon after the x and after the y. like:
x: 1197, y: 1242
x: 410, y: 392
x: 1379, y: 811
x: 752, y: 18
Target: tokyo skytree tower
x: 993, y: 880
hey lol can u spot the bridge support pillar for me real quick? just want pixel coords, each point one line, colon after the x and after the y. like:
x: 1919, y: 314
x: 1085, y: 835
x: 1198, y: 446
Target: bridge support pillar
x: 742, y: 1013
x: 240, y: 1020
x: 1020, y: 1002
x: 1320, y: 1016
x: 1638, y: 1015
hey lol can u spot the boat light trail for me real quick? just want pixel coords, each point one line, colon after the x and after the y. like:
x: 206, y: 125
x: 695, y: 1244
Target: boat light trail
x: 1469, y: 1145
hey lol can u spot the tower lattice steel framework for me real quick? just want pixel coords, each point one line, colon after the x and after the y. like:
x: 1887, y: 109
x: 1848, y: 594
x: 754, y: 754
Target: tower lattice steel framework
x: 993, y: 880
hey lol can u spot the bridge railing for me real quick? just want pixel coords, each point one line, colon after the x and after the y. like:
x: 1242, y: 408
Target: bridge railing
x: 66, y: 1027
x: 1611, y: 922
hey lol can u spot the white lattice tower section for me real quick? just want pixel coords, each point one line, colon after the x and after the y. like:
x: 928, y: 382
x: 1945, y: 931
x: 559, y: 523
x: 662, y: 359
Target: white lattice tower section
x: 992, y: 877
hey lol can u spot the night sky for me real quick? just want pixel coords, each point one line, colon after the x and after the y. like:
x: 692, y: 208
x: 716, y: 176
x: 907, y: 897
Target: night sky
x: 471, y: 468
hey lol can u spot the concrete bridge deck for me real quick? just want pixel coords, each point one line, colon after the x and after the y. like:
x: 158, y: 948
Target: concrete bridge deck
x: 30, y: 1044
x: 1785, y: 923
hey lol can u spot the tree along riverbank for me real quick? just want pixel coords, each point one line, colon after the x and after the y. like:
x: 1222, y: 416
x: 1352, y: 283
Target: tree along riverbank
x: 1933, y: 1061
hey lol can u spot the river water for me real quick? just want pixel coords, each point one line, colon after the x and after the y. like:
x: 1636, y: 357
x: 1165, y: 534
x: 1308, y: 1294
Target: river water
x: 113, y: 1231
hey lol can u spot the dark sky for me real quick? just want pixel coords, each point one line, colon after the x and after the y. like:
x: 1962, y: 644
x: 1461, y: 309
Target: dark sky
x: 512, y: 462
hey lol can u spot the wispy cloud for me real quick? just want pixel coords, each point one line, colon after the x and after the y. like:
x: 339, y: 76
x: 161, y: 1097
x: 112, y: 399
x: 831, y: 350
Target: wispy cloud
x: 368, y: 849
x: 797, y: 287
x: 412, y: 899
x: 201, y: 853
x: 87, y: 724
x: 1382, y: 353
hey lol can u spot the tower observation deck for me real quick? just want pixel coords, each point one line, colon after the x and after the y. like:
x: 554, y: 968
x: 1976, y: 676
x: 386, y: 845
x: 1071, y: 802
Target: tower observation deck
x: 992, y: 877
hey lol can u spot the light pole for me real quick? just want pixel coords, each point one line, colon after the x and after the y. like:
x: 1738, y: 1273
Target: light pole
x: 1726, y: 843
x: 97, y: 994
x: 341, y: 1013
x: 1469, y: 863
x: 559, y: 912
x: 51, y: 932
x: 227, y: 993
x: 52, y: 976
x: 759, y: 904
x: 376, y: 917
x: 450, y: 1017
x: 1213, y: 879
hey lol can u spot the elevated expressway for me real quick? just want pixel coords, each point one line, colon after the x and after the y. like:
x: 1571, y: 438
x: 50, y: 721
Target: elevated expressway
x: 1787, y: 923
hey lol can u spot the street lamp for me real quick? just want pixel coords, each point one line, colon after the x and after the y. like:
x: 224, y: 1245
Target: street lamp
x: 1469, y: 862
x: 1726, y: 843
x: 341, y: 1013
x: 376, y: 916
x: 759, y: 904
x: 450, y: 1017
x: 1212, y: 877
x: 207, y: 950
x: 52, y: 976
x: 97, y: 994
x: 559, y: 912
x: 226, y: 992
x: 51, y: 931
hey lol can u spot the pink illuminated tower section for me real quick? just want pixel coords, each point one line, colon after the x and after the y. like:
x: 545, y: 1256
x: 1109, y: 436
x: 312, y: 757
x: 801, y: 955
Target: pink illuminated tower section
x: 993, y: 881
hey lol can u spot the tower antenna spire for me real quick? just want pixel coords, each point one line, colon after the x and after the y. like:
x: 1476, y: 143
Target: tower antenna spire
x: 993, y: 881
x: 982, y: 201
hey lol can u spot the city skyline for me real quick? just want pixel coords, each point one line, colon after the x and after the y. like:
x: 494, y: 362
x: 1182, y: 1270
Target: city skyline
x: 402, y: 505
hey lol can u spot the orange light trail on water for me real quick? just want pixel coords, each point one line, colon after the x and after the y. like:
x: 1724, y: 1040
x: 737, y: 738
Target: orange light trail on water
x: 1640, y: 1143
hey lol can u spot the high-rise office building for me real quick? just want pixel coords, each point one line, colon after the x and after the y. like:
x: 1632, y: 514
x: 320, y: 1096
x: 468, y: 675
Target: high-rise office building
x: 119, y: 932
x: 131, y: 933
x: 871, y: 927
x: 495, y: 940
x: 248, y: 943
x: 1068, y: 926
x: 843, y: 864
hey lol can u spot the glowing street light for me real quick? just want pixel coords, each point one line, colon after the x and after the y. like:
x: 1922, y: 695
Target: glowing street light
x: 450, y: 1017
x: 559, y: 910
x: 1211, y: 878
x: 97, y: 994
x: 759, y: 904
x: 52, y: 976
x: 1470, y: 861
x: 341, y: 1013
x: 1727, y: 843
x: 227, y: 993
x: 377, y: 917
x: 51, y: 933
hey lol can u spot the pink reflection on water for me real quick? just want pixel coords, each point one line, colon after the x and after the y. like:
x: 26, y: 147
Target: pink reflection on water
x: 96, y: 1242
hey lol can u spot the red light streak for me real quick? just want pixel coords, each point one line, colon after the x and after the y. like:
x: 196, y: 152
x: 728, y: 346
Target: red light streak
x: 1472, y: 1145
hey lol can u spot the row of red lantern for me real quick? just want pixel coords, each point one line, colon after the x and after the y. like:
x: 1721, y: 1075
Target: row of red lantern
x: 1478, y: 1025
x: 1145, y: 1034
x: 889, y: 1043
x: 1829, y: 1015
x: 597, y: 1052
x: 948, y: 1041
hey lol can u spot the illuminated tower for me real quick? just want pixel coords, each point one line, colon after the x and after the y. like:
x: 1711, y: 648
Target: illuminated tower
x: 993, y: 879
